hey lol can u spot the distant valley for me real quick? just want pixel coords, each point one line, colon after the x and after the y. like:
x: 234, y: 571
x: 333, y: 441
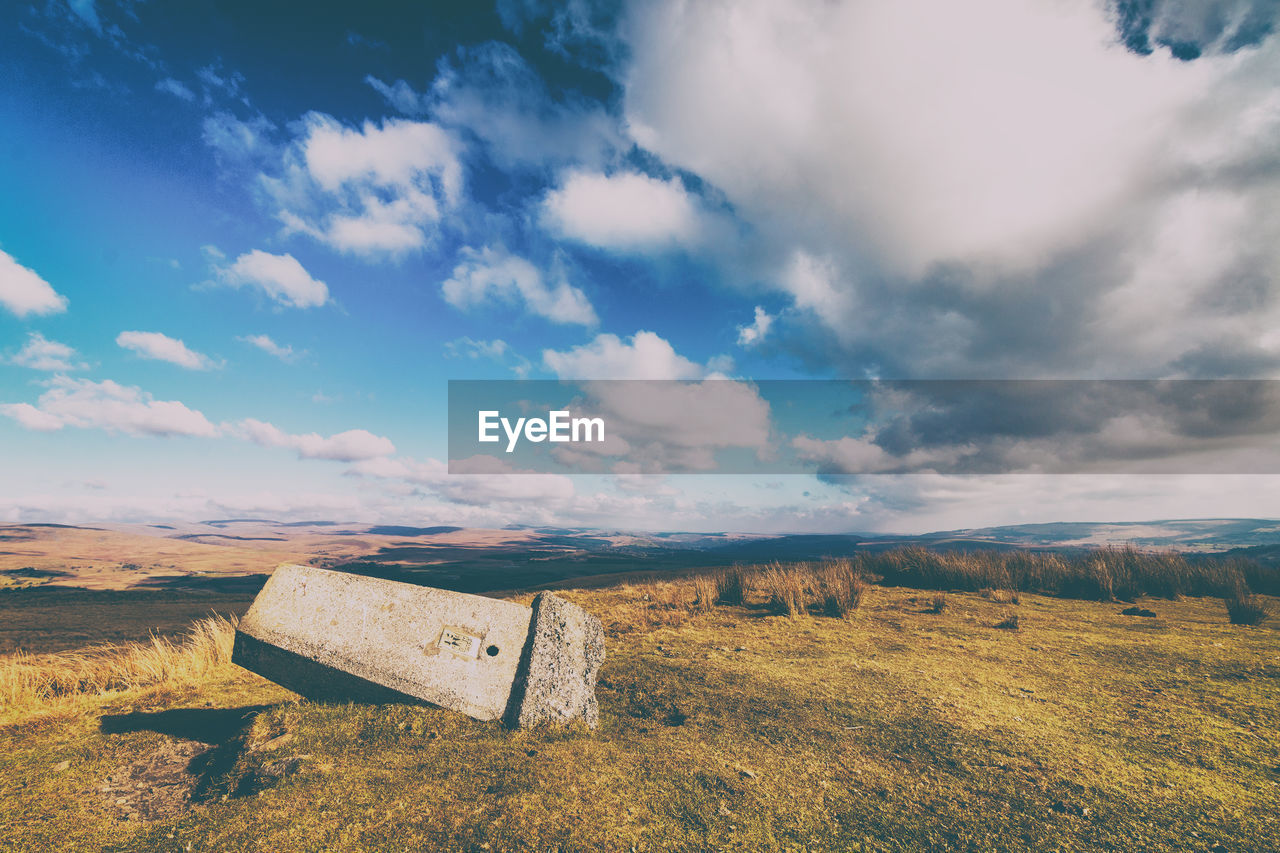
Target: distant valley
x: 235, y: 555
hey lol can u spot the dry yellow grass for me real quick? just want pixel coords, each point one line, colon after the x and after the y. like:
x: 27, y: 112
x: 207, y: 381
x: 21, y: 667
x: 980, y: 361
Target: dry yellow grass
x: 32, y: 683
x: 841, y: 587
x: 706, y: 592
x: 1246, y: 609
x: 893, y: 730
x: 733, y: 586
x: 787, y: 588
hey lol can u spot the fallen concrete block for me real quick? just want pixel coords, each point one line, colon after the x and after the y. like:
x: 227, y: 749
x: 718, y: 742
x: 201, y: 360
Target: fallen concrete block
x: 336, y: 636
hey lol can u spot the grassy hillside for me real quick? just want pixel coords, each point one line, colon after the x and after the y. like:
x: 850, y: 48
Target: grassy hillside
x: 913, y: 723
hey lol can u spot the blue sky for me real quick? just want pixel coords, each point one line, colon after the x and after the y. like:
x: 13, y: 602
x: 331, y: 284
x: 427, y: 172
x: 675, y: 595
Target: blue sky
x: 245, y: 248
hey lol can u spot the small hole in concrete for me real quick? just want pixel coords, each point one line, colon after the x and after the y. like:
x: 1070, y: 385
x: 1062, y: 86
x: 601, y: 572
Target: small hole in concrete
x: 492, y: 651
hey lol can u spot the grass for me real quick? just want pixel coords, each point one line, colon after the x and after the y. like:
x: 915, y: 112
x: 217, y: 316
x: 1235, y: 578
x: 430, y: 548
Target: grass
x: 36, y: 684
x: 706, y: 592
x: 787, y: 588
x: 732, y: 586
x: 1002, y: 596
x: 730, y: 728
x: 842, y: 587
x: 1011, y: 622
x: 1246, y: 609
x: 1105, y: 574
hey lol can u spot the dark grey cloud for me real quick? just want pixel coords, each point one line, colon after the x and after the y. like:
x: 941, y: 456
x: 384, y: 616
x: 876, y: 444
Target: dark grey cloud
x: 986, y: 427
x: 1192, y: 28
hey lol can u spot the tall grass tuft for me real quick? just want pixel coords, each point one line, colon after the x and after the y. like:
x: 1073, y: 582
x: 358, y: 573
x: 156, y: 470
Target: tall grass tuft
x: 706, y: 590
x: 733, y: 586
x: 1244, y: 608
x: 30, y: 680
x: 785, y: 587
x: 842, y: 586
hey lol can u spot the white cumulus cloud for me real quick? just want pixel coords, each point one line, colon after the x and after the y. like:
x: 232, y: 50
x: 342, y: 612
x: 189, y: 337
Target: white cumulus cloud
x: 161, y: 347
x: 109, y: 406
x: 24, y: 292
x: 874, y: 121
x: 377, y: 190
x: 626, y: 211
x: 755, y: 331
x: 645, y: 355
x: 30, y: 417
x: 40, y: 353
x: 979, y: 188
x: 495, y: 274
x: 281, y: 277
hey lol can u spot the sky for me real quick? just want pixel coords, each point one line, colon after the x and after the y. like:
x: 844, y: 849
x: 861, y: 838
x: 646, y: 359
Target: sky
x: 244, y: 248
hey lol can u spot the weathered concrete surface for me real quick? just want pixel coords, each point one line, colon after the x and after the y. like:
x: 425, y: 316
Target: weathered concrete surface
x: 566, y: 650
x: 337, y: 636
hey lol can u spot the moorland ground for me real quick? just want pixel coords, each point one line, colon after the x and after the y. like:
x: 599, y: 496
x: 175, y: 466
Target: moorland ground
x: 906, y: 721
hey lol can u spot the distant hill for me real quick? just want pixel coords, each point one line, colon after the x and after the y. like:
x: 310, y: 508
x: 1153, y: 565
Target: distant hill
x: 395, y: 530
x: 1201, y: 534
x: 198, y: 555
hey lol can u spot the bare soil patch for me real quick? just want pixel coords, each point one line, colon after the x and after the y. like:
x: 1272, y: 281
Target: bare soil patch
x: 158, y: 785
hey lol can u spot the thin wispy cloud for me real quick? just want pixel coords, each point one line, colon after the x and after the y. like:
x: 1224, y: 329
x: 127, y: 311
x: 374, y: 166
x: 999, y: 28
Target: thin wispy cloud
x: 116, y: 408
x: 161, y: 347
x: 40, y: 353
x: 496, y: 350
x: 87, y: 11
x: 349, y: 446
x: 270, y: 347
x: 176, y: 88
x: 464, y: 346
x: 492, y: 93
